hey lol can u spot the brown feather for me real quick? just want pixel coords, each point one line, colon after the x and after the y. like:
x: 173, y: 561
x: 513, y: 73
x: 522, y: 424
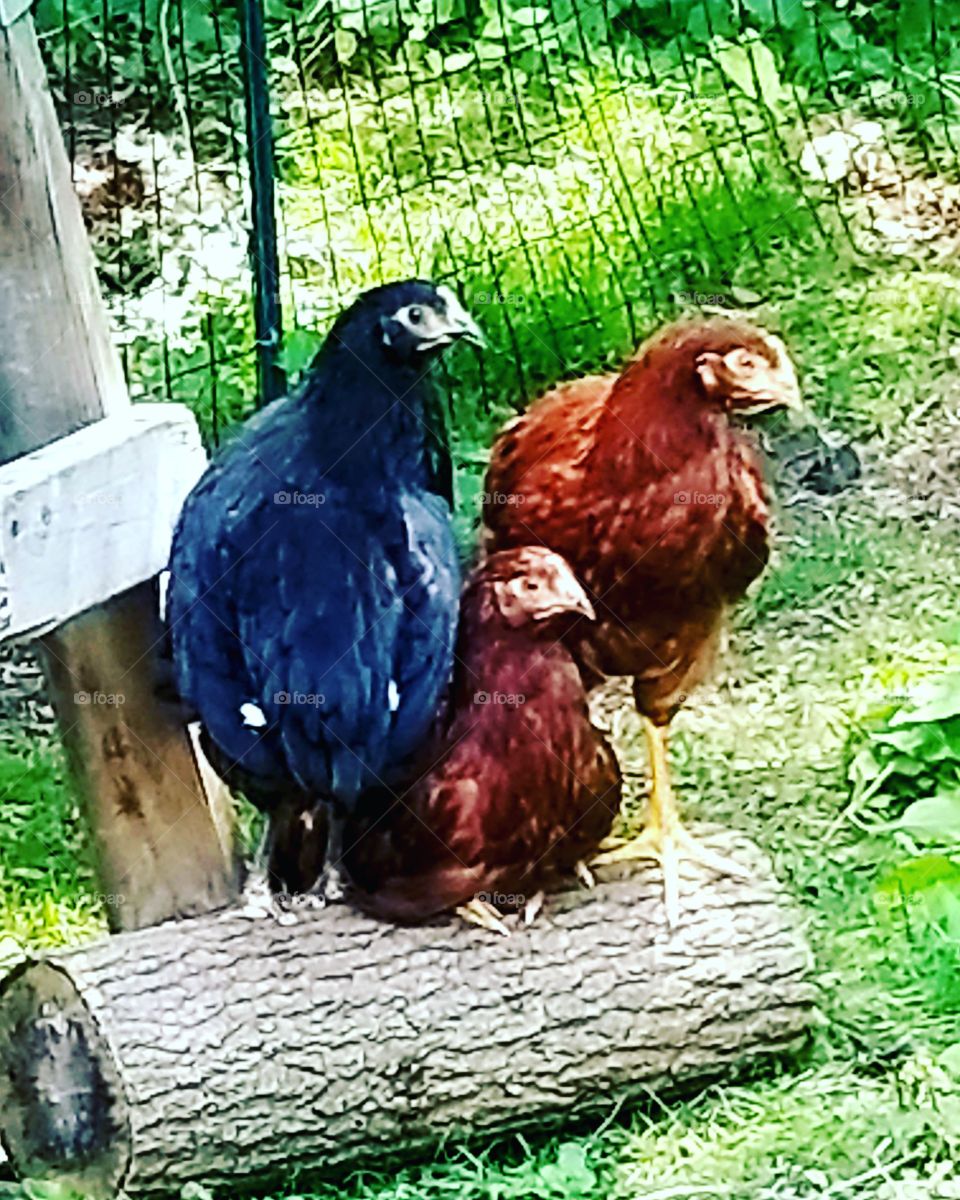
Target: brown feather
x: 645, y: 485
x: 518, y: 788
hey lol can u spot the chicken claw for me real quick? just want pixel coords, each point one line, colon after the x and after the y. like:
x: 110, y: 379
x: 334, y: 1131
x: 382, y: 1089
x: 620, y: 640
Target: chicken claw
x: 584, y: 874
x: 532, y: 908
x: 480, y: 912
x: 668, y: 848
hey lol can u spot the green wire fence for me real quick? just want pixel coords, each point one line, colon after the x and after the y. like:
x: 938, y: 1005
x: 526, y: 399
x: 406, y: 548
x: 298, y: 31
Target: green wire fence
x: 578, y: 168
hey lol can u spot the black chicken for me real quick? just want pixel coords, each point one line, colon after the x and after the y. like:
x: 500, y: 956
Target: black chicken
x: 314, y: 576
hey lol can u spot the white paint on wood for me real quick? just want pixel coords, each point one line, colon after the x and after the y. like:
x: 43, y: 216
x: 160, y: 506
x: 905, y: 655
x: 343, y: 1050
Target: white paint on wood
x: 13, y: 10
x: 88, y: 516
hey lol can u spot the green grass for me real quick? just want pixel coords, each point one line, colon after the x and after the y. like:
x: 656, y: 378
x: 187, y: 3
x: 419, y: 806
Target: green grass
x: 48, y: 894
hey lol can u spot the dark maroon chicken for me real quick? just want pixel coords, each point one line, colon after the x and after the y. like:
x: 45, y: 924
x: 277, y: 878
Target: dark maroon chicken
x: 649, y: 489
x: 520, y: 787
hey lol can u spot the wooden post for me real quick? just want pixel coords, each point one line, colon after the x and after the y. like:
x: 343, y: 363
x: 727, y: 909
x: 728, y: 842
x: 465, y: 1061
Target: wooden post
x: 58, y: 368
x: 164, y: 842
x: 234, y: 1049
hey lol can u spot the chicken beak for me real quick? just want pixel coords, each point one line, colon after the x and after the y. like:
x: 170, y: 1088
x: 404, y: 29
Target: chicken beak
x: 792, y: 398
x: 470, y: 331
x: 460, y: 326
x: 586, y: 609
x: 579, y: 602
x: 784, y: 383
x: 782, y: 394
x: 463, y: 328
x: 568, y: 597
x: 797, y: 414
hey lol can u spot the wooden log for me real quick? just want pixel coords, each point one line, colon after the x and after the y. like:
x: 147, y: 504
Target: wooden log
x: 163, y: 835
x: 231, y: 1048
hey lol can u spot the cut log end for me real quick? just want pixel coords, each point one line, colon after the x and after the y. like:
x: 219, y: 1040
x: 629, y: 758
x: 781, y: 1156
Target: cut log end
x: 237, y: 1047
x: 62, y: 1112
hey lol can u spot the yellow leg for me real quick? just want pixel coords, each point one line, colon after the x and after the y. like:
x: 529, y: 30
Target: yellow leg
x: 664, y: 837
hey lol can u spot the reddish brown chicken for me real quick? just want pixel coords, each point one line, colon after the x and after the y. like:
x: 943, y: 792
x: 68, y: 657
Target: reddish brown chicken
x: 645, y: 484
x: 520, y: 787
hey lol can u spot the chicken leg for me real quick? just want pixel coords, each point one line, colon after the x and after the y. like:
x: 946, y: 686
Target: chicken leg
x: 664, y: 837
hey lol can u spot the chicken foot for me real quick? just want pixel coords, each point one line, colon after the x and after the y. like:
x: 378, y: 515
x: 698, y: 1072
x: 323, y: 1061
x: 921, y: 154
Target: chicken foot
x: 664, y: 838
x: 482, y: 913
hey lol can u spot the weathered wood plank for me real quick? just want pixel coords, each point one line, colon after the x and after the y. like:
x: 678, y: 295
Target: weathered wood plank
x: 92, y: 514
x: 234, y: 1049
x: 160, y: 835
x: 58, y: 367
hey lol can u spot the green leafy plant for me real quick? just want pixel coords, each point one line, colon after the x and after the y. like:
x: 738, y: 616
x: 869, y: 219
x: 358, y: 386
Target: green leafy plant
x: 911, y: 757
x: 910, y: 763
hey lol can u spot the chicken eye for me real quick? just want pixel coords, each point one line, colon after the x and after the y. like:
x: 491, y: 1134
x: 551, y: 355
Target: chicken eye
x: 415, y: 314
x: 531, y: 586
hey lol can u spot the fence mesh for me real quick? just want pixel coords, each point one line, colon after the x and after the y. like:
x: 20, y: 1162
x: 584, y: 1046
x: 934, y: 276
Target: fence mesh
x: 578, y: 168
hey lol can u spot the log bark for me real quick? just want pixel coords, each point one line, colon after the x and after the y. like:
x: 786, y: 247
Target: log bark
x: 231, y: 1047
